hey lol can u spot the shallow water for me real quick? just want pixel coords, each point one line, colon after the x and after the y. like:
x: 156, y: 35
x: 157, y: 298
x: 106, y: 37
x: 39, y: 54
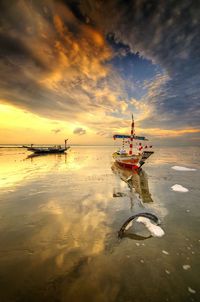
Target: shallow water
x: 59, y: 222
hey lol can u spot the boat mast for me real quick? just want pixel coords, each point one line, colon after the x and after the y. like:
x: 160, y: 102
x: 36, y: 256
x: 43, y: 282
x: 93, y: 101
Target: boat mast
x: 123, y: 142
x: 131, y: 137
x: 66, y: 143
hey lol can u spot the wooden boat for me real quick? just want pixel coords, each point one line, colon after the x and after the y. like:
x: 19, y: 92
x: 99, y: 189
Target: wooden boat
x: 49, y: 150
x: 132, y: 160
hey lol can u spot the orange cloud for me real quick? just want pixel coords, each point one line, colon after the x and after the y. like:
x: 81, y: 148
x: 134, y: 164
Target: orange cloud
x: 81, y: 55
x: 167, y: 133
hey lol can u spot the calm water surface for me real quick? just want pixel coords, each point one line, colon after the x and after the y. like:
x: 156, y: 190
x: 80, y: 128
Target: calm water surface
x: 59, y: 219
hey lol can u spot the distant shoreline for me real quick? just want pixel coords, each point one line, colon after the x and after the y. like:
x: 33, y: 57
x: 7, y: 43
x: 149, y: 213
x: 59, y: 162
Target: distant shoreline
x: 20, y: 147
x: 99, y: 146
x: 46, y: 145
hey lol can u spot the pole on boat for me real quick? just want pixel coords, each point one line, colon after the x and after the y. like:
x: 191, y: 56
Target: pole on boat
x: 66, y: 143
x: 123, y: 144
x: 131, y: 137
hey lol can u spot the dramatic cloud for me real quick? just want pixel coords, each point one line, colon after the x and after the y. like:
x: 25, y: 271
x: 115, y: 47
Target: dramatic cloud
x: 94, y: 62
x: 50, y: 64
x: 168, y: 33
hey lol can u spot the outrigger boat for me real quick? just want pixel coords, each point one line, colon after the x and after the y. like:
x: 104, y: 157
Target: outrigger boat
x: 132, y: 160
x: 49, y: 150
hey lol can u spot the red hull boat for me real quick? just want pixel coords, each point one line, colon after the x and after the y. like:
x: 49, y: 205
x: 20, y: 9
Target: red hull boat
x: 132, y: 159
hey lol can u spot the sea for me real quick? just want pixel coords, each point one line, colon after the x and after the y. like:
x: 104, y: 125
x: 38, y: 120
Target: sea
x: 61, y: 216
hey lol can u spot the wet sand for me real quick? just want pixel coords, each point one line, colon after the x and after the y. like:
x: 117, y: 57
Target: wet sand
x: 59, y: 222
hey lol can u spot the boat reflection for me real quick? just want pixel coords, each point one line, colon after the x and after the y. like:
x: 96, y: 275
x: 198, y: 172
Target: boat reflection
x: 135, y: 236
x: 142, y: 224
x: 37, y: 155
x: 135, y: 180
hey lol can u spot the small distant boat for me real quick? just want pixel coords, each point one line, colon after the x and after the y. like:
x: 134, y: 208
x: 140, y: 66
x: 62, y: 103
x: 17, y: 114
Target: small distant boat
x: 132, y: 160
x: 48, y: 150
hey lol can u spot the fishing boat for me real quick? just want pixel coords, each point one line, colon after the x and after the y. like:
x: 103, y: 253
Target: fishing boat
x: 134, y: 159
x: 49, y: 150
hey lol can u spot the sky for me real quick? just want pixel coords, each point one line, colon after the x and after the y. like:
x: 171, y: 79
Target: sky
x: 78, y: 69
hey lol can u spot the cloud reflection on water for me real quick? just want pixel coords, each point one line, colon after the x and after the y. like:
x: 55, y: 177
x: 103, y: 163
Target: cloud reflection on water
x: 61, y: 241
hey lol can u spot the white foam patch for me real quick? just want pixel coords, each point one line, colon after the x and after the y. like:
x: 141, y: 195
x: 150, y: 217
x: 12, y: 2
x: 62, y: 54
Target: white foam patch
x: 155, y: 230
x: 179, y: 188
x: 129, y: 225
x: 186, y: 267
x: 179, y: 168
x: 165, y: 252
x: 191, y: 290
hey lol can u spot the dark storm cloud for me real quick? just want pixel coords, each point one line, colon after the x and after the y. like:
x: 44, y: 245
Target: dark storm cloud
x: 10, y: 46
x: 168, y: 33
x: 161, y: 30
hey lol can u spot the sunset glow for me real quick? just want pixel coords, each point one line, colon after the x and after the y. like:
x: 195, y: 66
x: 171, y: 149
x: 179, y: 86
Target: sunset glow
x: 64, y: 73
